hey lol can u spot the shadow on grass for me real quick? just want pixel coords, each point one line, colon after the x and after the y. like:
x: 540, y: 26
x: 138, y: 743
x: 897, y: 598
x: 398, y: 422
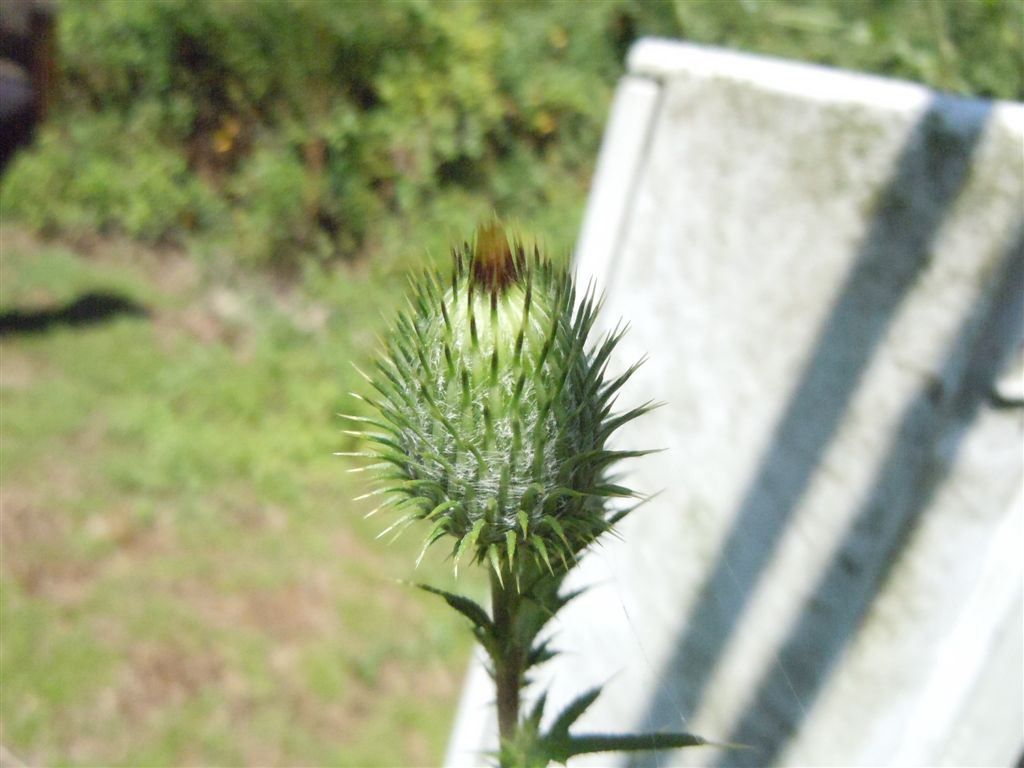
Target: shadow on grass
x: 89, y: 309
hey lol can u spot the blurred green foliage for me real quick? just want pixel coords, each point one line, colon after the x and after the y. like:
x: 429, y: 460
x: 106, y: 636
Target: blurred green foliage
x: 184, y: 579
x: 98, y: 175
x: 290, y: 130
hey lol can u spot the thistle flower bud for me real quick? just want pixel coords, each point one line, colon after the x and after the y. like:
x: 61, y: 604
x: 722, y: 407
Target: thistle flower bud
x: 494, y: 411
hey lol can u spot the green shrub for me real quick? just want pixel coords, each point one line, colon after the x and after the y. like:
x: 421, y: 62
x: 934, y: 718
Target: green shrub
x: 93, y: 176
x: 310, y: 123
x: 271, y: 220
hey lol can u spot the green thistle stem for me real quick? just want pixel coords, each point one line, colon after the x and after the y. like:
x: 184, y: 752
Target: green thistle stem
x: 508, y: 662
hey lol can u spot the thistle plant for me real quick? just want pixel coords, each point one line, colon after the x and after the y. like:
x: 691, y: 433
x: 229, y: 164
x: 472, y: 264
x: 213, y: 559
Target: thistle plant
x: 493, y: 414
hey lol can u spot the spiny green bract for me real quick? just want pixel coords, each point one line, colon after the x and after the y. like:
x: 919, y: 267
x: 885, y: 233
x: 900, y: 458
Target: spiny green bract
x: 494, y: 413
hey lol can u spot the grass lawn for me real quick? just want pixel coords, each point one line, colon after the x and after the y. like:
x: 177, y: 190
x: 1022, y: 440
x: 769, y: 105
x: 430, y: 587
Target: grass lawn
x: 185, y: 579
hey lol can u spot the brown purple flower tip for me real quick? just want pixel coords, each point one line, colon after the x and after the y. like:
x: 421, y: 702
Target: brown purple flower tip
x: 495, y: 265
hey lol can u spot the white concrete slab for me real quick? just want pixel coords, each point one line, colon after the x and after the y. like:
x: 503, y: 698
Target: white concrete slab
x: 827, y: 272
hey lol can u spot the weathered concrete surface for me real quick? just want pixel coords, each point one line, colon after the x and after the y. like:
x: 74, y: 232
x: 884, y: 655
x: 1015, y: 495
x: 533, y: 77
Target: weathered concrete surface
x: 827, y: 273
